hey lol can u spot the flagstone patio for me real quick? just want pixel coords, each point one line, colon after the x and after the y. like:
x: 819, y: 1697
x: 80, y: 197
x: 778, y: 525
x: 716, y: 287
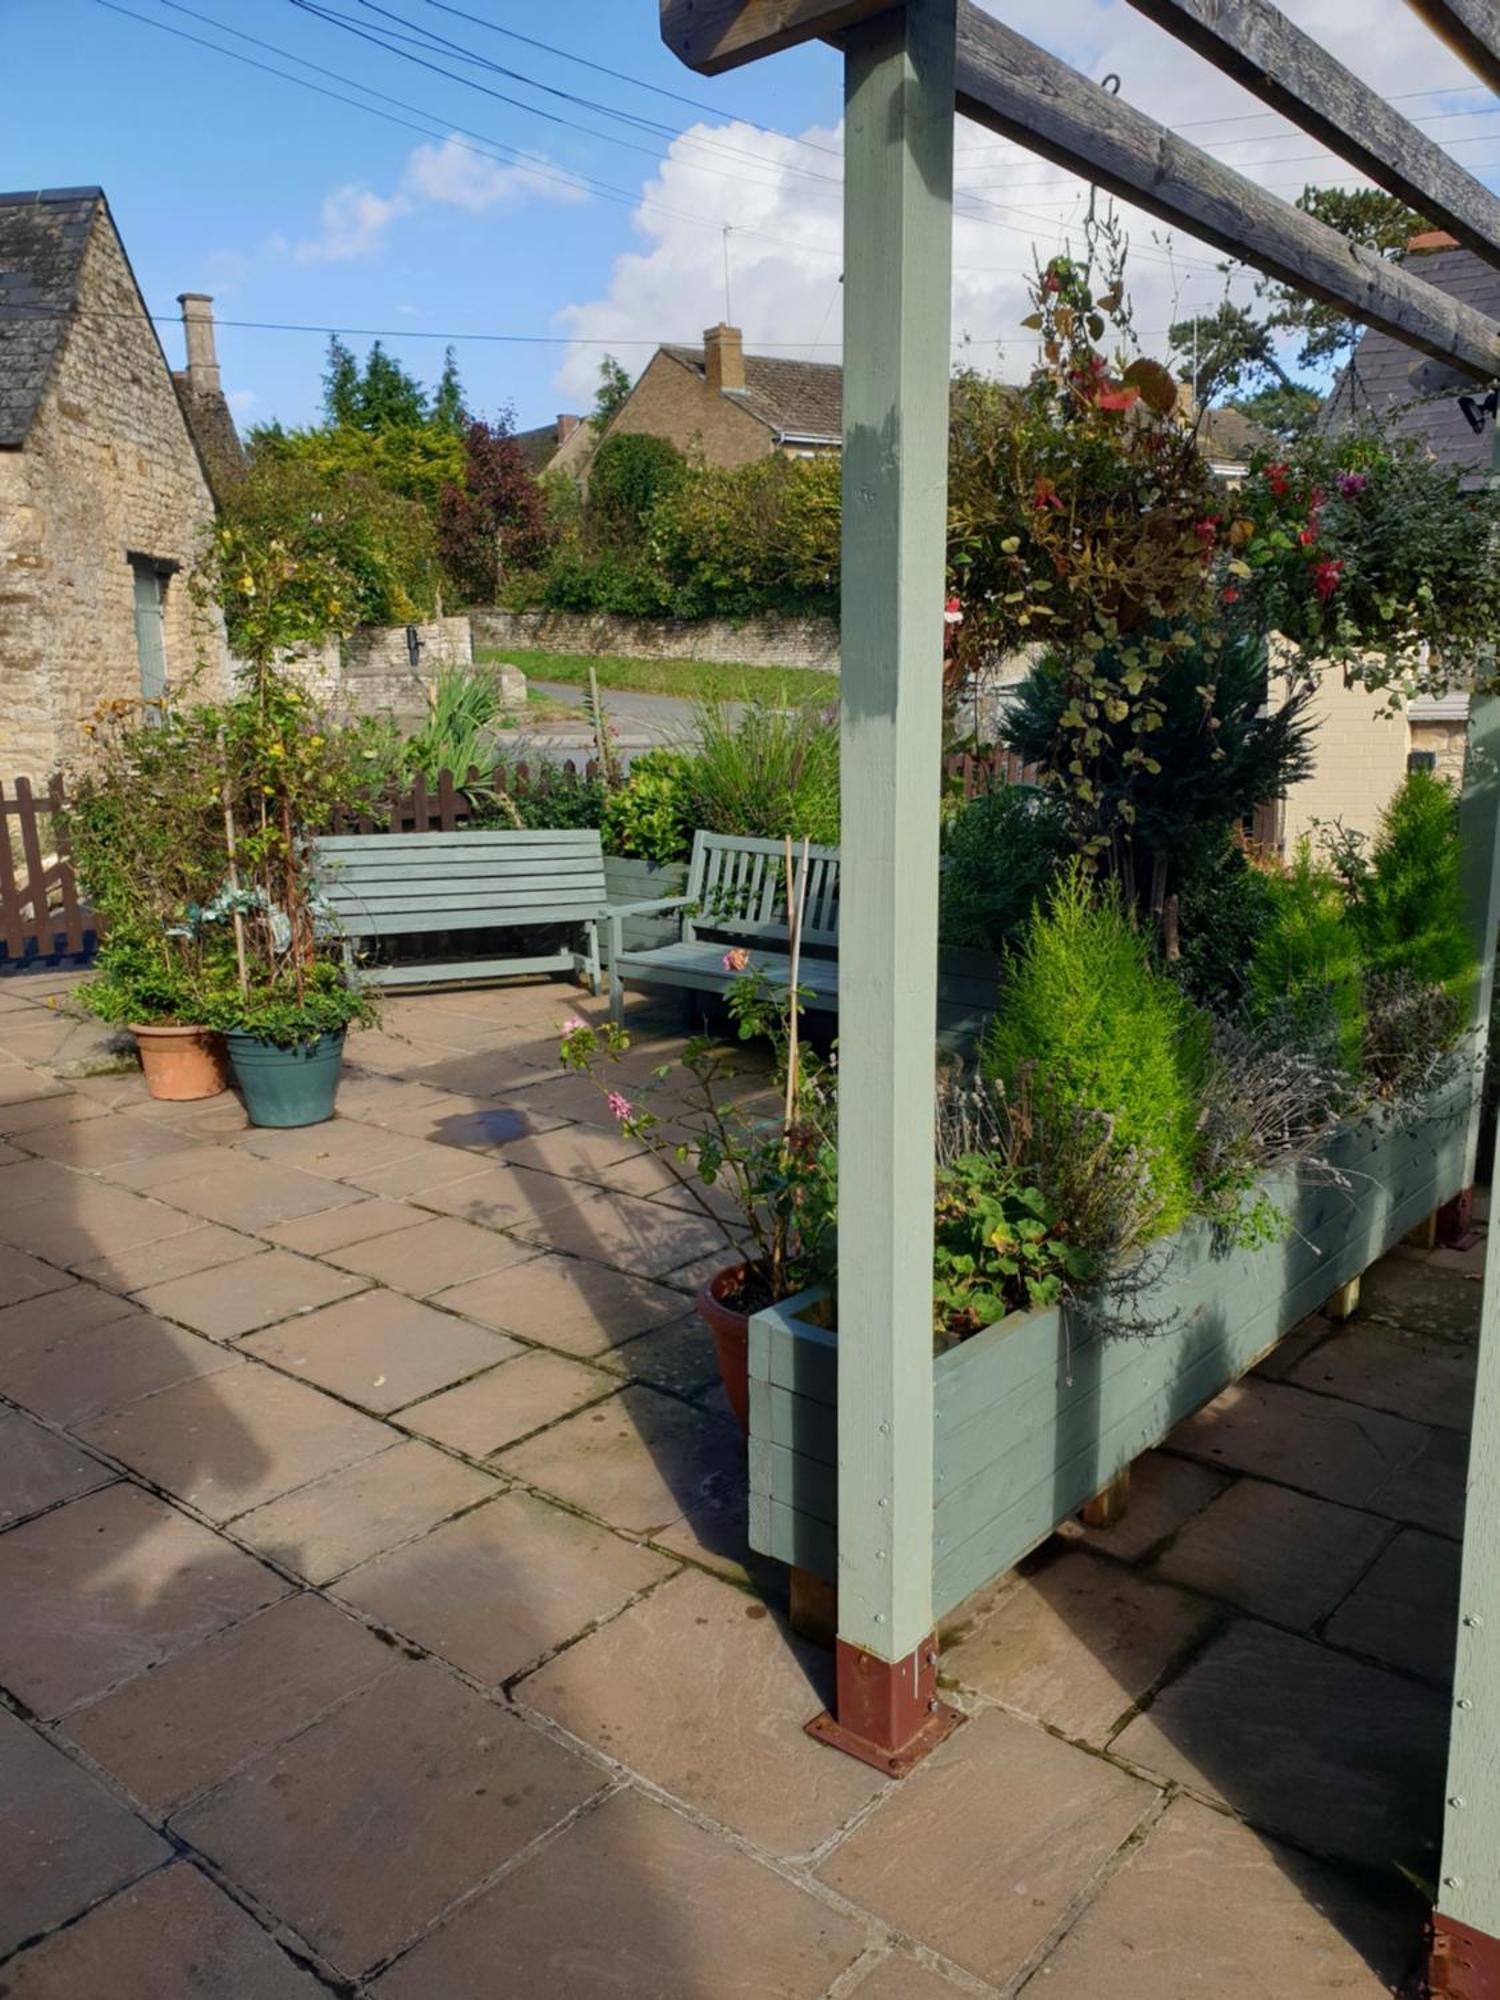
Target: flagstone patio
x: 375, y: 1613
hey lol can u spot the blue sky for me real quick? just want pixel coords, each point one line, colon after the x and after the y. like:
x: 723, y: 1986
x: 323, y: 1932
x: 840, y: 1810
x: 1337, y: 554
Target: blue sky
x: 492, y: 218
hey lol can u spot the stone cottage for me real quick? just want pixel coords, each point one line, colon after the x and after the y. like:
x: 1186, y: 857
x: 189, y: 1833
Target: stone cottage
x: 108, y: 464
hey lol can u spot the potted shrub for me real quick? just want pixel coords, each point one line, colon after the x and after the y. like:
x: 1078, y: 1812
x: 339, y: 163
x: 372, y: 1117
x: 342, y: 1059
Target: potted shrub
x: 146, y: 825
x: 779, y: 1169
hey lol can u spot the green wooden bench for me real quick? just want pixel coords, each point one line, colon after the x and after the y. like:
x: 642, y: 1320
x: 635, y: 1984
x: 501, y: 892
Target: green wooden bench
x: 736, y: 898
x: 377, y: 886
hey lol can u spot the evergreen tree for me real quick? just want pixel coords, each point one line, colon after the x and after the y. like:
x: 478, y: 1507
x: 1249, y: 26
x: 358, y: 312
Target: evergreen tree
x: 448, y: 411
x: 388, y: 396
x: 614, y: 387
x: 341, y: 385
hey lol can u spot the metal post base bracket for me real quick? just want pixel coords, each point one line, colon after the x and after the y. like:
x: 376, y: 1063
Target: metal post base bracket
x: 1465, y: 1964
x: 887, y: 1712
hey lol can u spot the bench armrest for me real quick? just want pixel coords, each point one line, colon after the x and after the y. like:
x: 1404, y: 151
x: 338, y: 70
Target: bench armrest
x: 613, y: 910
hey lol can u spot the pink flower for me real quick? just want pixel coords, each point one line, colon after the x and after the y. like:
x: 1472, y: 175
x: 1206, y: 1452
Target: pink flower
x: 573, y: 1024
x: 1350, y: 483
x: 736, y: 959
x: 619, y: 1106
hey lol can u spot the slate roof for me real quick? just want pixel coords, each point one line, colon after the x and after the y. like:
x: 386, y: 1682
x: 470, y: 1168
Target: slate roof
x: 537, y: 446
x: 42, y: 239
x: 1229, y: 437
x: 795, y: 399
x: 1377, y: 383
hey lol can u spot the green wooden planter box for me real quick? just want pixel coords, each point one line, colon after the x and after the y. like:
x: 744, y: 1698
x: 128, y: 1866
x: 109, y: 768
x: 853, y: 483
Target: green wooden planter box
x: 1033, y: 1417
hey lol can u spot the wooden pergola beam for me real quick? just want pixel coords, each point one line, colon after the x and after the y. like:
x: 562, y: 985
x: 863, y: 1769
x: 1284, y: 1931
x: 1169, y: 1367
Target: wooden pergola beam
x: 1253, y: 42
x: 1471, y: 29
x: 712, y: 36
x: 1012, y: 87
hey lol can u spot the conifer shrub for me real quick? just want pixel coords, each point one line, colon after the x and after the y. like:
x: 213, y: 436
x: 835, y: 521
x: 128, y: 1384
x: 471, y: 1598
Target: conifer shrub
x: 1085, y: 1016
x: 1002, y: 852
x: 1408, y: 902
x: 1307, y: 971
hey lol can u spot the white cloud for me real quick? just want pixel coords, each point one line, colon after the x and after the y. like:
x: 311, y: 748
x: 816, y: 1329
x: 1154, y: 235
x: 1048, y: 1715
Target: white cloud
x: 786, y: 226
x: 456, y: 174
x: 354, y: 220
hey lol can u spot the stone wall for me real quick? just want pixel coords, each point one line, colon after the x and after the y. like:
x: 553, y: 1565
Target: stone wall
x: 108, y: 470
x: 370, y: 672
x: 754, y: 642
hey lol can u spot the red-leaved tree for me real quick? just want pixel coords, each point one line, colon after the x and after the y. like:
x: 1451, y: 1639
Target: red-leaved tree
x: 495, y: 521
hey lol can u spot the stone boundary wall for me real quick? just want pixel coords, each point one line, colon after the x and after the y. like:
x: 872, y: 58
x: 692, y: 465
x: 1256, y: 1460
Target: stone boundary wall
x: 753, y: 642
x: 370, y: 672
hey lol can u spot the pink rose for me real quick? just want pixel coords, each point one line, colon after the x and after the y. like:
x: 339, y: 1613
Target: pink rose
x: 736, y: 959
x: 573, y: 1024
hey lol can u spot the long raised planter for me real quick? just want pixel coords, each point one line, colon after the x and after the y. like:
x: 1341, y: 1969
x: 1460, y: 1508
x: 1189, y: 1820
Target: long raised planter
x: 1035, y: 1415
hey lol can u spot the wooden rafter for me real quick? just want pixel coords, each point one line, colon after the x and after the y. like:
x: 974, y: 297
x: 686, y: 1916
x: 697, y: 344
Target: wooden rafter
x: 1471, y: 28
x: 715, y: 35
x: 1253, y: 42
x: 1012, y: 87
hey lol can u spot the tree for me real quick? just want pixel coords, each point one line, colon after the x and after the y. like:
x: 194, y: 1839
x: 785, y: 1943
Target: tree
x: 1285, y: 409
x: 448, y: 411
x: 380, y: 396
x: 495, y: 520
x: 341, y: 384
x: 1224, y: 350
x: 1381, y: 222
x: 614, y: 387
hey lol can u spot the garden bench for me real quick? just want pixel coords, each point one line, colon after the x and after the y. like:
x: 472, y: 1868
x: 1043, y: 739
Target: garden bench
x: 376, y: 886
x: 736, y: 897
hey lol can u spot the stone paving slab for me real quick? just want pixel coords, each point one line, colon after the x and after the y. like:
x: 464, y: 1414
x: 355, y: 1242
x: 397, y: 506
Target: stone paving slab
x: 87, y: 1219
x: 172, y: 1935
x: 640, y: 1461
x: 248, y: 1193
x: 23, y: 1277
x: 1204, y: 1906
x: 498, y: 1195
x: 99, y: 1590
x: 699, y: 1689
x: 982, y: 1852
x: 1315, y: 1443
x: 440, y: 1252
x: 483, y: 1416
x: 330, y: 1149
x: 1340, y: 1757
x: 381, y: 1349
x: 372, y: 1822
x: 66, y: 1842
x: 336, y: 1228
x: 1416, y: 1375
x: 231, y: 1299
x: 200, y: 1716
x: 84, y: 1375
x: 1280, y: 1554
x: 321, y: 1530
x: 39, y: 1469
x: 634, y: 1901
x: 1165, y: 1492
x: 1077, y: 1644
x: 1428, y: 1491
x: 506, y: 1583
x: 228, y: 1443
x: 642, y: 1237
x: 1405, y: 1612
x: 200, y: 1249
x: 567, y: 1303
x: 901, y: 1978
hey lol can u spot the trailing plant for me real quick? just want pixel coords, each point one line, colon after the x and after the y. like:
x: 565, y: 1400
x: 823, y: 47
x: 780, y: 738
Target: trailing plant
x: 1087, y: 1025
x: 1306, y: 976
x: 998, y: 1248
x: 651, y: 813
x: 1002, y: 852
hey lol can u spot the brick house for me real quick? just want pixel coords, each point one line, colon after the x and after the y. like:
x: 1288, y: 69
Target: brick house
x: 108, y: 463
x: 721, y: 404
x: 1362, y: 749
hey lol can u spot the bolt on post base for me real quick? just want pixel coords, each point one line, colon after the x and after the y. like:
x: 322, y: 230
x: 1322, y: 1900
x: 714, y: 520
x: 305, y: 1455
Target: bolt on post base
x: 886, y: 1712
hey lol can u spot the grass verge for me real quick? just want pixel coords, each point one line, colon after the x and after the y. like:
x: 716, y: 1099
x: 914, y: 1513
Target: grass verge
x: 690, y: 680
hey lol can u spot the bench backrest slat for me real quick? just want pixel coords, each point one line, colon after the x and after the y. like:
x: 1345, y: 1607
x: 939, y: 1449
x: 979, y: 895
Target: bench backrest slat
x: 739, y: 885
x: 384, y: 882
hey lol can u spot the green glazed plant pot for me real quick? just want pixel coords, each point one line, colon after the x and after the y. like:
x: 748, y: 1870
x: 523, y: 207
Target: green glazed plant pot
x: 287, y: 1086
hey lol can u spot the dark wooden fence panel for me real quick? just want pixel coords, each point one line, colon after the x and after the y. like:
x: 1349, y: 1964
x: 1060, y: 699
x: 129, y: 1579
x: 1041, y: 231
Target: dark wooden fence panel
x: 977, y: 772
x: 42, y: 915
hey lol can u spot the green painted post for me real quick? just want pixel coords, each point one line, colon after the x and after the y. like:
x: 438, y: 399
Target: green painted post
x: 898, y: 200
x: 1466, y: 1922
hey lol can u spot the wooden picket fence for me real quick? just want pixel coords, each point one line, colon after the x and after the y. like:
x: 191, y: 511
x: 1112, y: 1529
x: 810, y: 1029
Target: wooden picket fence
x: 450, y: 804
x: 978, y: 772
x: 42, y: 915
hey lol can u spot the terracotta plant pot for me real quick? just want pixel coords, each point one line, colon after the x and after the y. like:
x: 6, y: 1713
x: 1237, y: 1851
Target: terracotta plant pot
x: 731, y: 1332
x: 179, y: 1063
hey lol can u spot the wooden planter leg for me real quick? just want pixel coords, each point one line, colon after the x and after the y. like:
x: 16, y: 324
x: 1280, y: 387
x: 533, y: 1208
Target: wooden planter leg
x: 1465, y: 1963
x: 1109, y: 1504
x: 814, y: 1608
x: 1425, y: 1235
x: 1344, y: 1302
x: 886, y: 1712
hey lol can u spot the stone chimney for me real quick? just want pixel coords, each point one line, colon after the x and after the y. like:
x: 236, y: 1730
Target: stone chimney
x: 566, y: 425
x: 198, y: 328
x: 1187, y: 403
x: 724, y: 357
